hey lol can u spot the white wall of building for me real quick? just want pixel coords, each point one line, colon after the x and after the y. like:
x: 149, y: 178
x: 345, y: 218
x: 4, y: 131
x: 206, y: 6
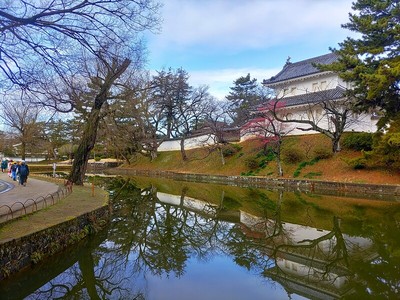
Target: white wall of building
x: 305, y: 85
x: 190, y: 143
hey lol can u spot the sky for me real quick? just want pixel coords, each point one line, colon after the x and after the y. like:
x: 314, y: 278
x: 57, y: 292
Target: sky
x: 218, y: 41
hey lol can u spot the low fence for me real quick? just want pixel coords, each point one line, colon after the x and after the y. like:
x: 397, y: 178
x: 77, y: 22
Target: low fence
x: 21, y: 208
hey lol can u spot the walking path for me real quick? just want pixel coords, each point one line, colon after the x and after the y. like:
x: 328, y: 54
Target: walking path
x: 11, y: 192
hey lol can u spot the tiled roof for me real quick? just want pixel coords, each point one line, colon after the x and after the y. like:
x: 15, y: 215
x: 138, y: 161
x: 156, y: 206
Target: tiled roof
x: 314, y: 97
x: 301, y: 68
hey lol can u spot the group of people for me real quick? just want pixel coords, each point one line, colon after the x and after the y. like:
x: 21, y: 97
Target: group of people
x: 16, y: 170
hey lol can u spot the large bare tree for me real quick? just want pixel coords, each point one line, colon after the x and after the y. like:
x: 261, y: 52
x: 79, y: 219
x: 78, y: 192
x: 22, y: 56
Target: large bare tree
x: 48, y: 47
x: 40, y: 38
x: 106, y: 83
x: 328, y: 112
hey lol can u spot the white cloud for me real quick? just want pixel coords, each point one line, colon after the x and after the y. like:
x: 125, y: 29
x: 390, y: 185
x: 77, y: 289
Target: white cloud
x: 232, y: 25
x: 220, y: 81
x: 206, y: 36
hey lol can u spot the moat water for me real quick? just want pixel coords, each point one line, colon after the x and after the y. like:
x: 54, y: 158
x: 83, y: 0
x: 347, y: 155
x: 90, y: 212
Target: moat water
x: 183, y: 240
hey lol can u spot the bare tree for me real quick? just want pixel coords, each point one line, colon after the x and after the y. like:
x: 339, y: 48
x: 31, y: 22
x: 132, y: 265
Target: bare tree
x: 40, y: 38
x: 190, y: 114
x: 270, y: 131
x: 24, y: 120
x: 127, y: 128
x: 217, y: 122
x: 105, y: 85
x: 328, y: 112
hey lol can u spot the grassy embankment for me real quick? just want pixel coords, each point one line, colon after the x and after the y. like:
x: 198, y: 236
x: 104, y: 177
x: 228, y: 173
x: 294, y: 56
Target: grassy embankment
x: 249, y: 160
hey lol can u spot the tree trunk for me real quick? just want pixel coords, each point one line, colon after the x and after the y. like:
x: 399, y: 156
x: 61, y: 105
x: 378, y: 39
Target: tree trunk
x: 87, y: 143
x: 88, y: 140
x: 153, y: 155
x: 183, y: 152
x: 23, y: 150
x: 221, y: 152
x: 279, y: 165
x: 336, y: 145
x: 278, y: 158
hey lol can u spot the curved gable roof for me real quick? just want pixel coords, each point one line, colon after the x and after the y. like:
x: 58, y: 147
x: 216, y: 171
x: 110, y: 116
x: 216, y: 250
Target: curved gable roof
x: 301, y: 68
x: 315, y: 97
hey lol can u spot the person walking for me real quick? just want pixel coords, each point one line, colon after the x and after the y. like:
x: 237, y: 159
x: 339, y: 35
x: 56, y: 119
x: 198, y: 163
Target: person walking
x: 4, y: 165
x: 23, y: 171
x: 14, y: 171
x: 10, y: 163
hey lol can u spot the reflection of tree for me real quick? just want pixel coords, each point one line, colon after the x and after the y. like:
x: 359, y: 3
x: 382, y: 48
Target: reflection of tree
x: 248, y: 249
x: 274, y: 248
x: 94, y: 276
x: 337, y: 256
x: 380, y: 278
x: 147, y: 235
x: 160, y: 236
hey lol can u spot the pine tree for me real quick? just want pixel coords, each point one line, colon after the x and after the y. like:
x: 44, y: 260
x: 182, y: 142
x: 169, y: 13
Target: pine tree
x: 371, y: 62
x: 244, y: 96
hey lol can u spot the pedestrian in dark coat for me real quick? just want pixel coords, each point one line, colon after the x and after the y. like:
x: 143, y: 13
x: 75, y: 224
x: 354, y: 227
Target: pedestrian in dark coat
x: 23, y: 171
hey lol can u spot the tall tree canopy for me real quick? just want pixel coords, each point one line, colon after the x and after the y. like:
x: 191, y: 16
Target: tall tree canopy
x: 106, y: 84
x: 371, y: 62
x: 244, y: 96
x: 73, y: 55
x: 170, y: 91
x: 40, y: 38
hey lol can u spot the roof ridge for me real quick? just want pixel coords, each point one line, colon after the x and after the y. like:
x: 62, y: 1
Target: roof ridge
x: 301, y: 68
x: 314, y: 58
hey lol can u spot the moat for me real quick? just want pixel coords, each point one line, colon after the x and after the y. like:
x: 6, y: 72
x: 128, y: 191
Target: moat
x: 183, y: 240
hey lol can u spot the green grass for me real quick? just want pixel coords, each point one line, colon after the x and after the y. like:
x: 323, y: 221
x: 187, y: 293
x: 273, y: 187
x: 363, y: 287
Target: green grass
x: 80, y: 201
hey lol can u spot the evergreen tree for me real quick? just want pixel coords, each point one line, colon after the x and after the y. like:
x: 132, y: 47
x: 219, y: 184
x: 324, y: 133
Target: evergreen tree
x: 371, y: 62
x: 244, y: 96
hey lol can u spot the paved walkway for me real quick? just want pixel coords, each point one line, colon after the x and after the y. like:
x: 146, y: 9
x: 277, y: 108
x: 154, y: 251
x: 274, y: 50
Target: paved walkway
x: 11, y: 191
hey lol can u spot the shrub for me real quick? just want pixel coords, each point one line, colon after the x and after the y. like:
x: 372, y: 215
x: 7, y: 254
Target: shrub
x: 251, y: 163
x: 231, y: 149
x: 322, y: 153
x: 358, y: 163
x: 358, y: 141
x: 249, y: 173
x: 292, y: 156
x: 302, y: 165
x: 266, y: 154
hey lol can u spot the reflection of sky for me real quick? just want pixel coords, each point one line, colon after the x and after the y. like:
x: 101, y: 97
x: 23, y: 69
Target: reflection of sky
x: 218, y: 278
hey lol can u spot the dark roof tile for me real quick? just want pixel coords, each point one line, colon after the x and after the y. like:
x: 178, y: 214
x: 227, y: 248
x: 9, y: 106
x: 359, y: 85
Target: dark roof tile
x: 301, y: 68
x: 315, y: 97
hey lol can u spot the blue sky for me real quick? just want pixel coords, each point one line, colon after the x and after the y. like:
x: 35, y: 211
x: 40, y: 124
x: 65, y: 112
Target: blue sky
x: 217, y: 41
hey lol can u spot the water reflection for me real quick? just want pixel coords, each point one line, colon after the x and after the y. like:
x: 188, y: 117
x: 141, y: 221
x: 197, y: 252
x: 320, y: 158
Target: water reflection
x: 171, y: 240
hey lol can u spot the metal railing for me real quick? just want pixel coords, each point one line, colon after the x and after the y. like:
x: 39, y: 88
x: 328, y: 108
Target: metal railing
x: 21, y: 208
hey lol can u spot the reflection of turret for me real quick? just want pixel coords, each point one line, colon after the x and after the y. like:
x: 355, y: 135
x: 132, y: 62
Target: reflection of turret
x: 295, y: 233
x: 309, y: 261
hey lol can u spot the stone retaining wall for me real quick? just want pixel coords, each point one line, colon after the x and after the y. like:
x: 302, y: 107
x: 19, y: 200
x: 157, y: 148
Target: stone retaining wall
x: 384, y: 192
x: 20, y: 253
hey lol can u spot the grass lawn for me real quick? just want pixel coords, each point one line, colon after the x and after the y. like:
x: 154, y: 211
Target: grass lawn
x: 80, y: 201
